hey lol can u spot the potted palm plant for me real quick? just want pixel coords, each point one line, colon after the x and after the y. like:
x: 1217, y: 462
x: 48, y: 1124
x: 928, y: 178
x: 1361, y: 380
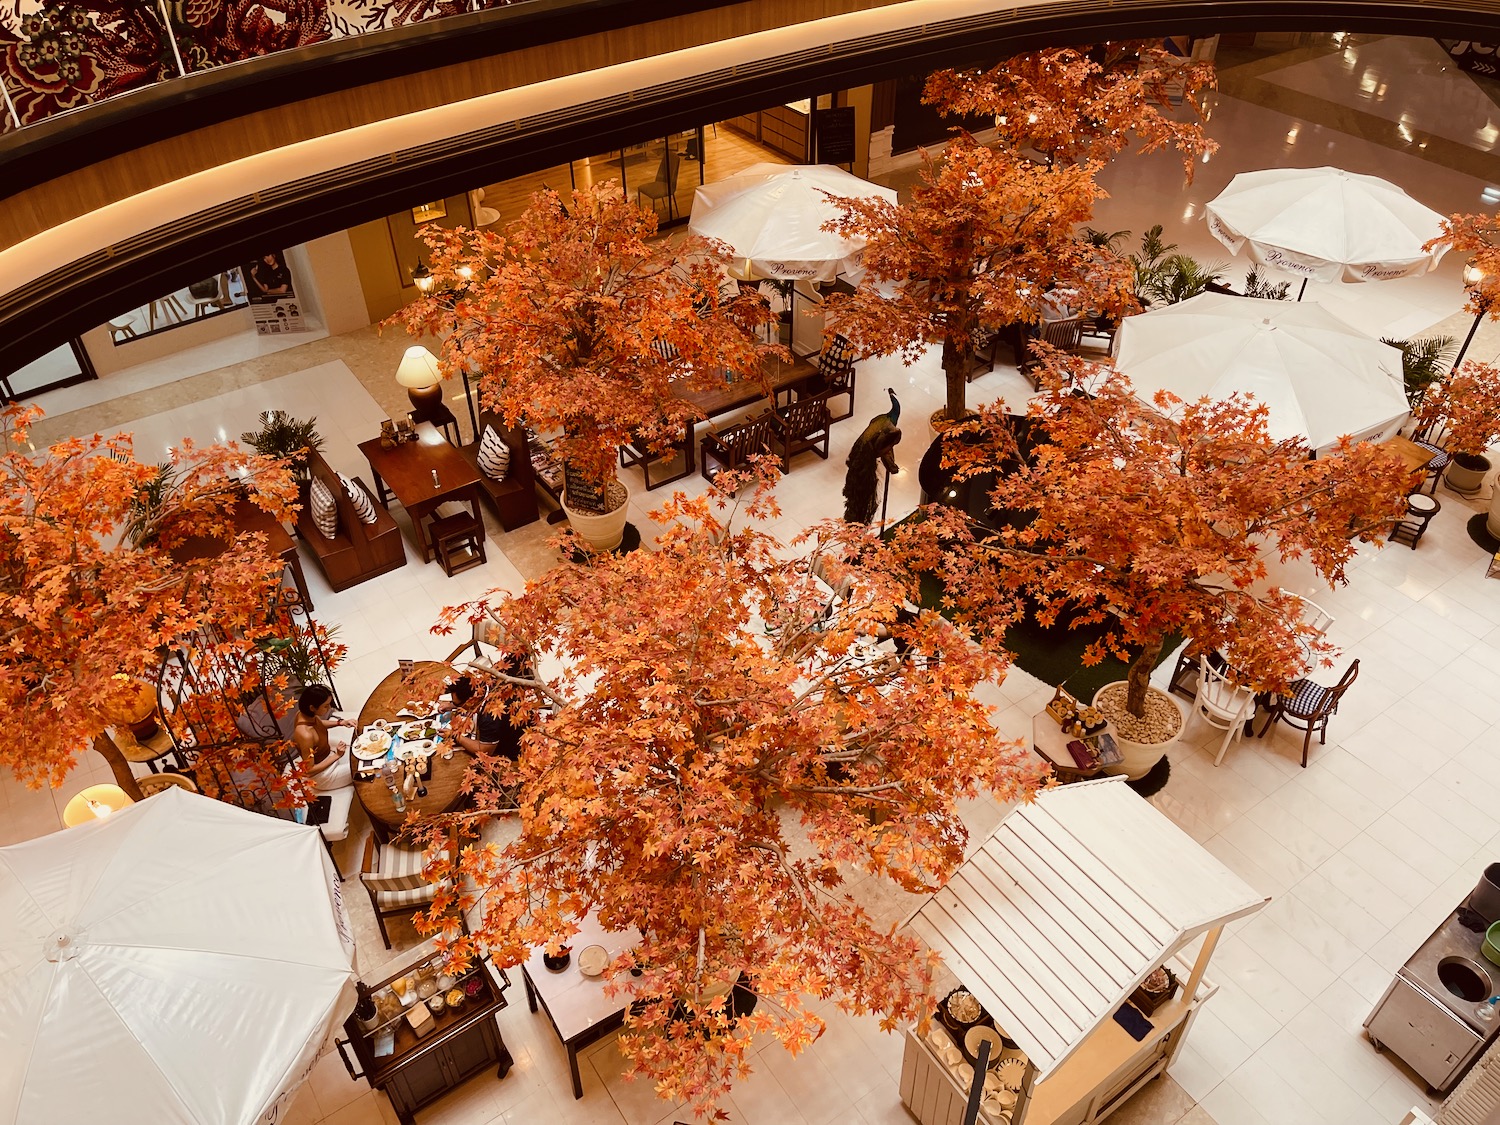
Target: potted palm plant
x: 1467, y: 406
x: 290, y: 439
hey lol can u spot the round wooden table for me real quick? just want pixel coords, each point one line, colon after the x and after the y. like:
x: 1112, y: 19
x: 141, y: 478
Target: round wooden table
x: 426, y: 683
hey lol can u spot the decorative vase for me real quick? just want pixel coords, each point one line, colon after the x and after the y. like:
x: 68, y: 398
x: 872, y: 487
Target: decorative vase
x: 1138, y: 757
x: 602, y: 532
x: 1466, y: 473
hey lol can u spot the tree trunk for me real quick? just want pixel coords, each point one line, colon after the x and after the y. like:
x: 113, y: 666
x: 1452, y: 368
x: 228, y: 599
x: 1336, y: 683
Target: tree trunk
x: 956, y: 364
x: 118, y: 766
x: 1139, y: 677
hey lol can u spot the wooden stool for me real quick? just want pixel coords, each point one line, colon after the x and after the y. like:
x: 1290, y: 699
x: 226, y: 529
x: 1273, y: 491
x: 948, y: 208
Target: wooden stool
x: 458, y: 542
x: 1419, y: 512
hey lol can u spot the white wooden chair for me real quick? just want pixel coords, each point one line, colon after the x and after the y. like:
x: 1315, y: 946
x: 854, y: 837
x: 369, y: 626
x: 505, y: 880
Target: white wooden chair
x: 1223, y: 704
x: 1313, y: 614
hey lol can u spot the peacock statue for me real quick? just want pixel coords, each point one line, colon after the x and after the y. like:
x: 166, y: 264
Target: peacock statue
x: 876, y: 445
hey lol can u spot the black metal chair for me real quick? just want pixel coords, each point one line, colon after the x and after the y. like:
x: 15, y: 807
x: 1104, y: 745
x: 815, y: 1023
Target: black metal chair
x: 1308, y: 707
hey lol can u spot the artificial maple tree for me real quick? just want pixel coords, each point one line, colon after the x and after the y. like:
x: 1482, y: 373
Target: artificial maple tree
x: 1478, y: 236
x: 85, y: 607
x: 579, y: 320
x: 1467, y: 403
x: 984, y: 237
x: 1157, y: 518
x: 1086, y: 104
x: 712, y: 745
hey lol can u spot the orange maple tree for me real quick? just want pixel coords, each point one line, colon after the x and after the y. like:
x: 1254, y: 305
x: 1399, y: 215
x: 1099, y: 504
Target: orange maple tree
x: 1158, y: 518
x: 1467, y: 402
x: 1478, y: 236
x: 713, y: 745
x: 89, y: 592
x: 1071, y: 104
x: 578, y: 320
x: 984, y: 237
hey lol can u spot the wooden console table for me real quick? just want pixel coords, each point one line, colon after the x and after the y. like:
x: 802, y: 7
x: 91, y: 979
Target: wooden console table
x: 421, y: 1070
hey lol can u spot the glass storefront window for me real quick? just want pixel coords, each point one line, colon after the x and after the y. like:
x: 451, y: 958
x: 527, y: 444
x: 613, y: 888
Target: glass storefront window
x: 202, y: 299
x: 61, y: 367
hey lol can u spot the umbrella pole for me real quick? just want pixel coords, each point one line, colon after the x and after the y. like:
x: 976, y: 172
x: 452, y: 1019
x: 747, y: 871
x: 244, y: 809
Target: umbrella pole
x: 1303, y: 289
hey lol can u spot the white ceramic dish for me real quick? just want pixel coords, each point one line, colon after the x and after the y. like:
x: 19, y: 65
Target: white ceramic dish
x: 593, y: 960
x: 419, y: 749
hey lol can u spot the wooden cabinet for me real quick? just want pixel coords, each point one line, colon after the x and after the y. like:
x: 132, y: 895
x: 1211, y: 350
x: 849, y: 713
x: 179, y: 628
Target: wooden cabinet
x: 783, y: 128
x: 418, y: 1071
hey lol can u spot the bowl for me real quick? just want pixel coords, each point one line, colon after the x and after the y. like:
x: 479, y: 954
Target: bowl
x: 1491, y: 946
x: 593, y: 960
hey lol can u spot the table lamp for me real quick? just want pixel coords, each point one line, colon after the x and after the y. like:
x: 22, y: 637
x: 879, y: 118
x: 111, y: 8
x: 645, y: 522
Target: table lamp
x: 95, y: 803
x: 419, y: 374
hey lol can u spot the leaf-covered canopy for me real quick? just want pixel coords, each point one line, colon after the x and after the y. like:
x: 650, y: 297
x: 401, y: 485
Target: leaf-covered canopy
x: 1160, y: 517
x: 722, y: 749
x: 578, y: 319
x: 79, y: 604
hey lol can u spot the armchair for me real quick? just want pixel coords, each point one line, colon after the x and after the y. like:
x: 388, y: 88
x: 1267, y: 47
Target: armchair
x: 396, y: 880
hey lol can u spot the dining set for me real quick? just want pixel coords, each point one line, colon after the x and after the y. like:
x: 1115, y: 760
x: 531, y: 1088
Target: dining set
x: 1225, y: 699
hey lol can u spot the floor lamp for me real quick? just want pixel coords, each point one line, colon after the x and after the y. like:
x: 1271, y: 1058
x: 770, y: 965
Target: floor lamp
x: 1473, y: 277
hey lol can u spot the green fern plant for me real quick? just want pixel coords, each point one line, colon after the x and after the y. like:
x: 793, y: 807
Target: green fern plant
x: 281, y: 435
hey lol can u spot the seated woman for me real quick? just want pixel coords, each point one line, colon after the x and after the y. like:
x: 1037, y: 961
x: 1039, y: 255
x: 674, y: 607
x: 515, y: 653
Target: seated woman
x: 326, y: 768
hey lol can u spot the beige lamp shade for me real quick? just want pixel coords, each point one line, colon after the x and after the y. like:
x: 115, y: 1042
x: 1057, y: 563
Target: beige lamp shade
x: 418, y: 368
x: 95, y: 803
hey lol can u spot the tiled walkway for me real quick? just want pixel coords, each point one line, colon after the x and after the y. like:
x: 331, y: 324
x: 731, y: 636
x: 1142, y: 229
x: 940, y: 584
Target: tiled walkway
x: 1363, y: 852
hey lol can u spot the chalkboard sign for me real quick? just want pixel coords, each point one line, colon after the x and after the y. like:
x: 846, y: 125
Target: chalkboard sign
x: 583, y: 494
x: 834, y: 129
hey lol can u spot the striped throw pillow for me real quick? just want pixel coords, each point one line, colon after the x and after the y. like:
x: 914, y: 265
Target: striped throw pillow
x: 494, y: 455
x: 364, y: 507
x: 325, y: 510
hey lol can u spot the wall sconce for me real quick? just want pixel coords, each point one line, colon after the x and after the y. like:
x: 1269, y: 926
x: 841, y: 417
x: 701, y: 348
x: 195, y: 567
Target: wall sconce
x: 95, y: 803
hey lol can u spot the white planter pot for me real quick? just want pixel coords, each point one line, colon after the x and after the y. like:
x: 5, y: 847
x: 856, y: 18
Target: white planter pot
x: 1141, y: 756
x: 1465, y: 479
x: 601, y: 532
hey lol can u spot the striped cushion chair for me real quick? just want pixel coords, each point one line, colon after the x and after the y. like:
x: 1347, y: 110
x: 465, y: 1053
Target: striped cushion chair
x: 394, y: 877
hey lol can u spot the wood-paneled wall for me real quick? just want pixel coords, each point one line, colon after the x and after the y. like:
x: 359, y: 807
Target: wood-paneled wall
x: 155, y: 163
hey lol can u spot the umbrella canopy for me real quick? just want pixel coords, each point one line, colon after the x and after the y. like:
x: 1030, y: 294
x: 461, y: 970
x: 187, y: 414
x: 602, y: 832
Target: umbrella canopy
x: 180, y: 961
x: 772, y: 216
x: 1319, y: 377
x: 1326, y: 224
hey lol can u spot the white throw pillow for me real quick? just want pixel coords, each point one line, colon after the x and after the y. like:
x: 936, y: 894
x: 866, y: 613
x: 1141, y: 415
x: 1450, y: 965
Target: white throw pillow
x: 364, y: 507
x: 325, y: 509
x: 494, y: 455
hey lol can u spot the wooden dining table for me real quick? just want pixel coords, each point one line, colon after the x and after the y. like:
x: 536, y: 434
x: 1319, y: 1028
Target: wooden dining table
x: 425, y: 683
x: 246, y: 517
x: 782, y: 377
x: 421, y: 475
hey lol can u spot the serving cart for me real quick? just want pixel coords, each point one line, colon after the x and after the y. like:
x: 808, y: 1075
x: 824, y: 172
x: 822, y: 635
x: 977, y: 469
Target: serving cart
x: 1052, y: 925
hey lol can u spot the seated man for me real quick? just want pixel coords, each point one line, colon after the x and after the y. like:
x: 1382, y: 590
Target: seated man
x: 326, y: 768
x: 492, y: 733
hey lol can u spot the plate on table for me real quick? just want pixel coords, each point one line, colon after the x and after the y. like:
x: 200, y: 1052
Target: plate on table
x: 593, y: 960
x: 415, y: 732
x: 371, y: 746
x: 420, y: 748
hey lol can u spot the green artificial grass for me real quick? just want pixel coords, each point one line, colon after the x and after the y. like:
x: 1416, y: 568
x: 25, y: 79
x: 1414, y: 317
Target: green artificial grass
x: 1055, y: 655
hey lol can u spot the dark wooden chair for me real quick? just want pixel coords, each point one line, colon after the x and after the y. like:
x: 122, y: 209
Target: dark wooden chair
x: 1308, y: 706
x: 801, y: 427
x: 1410, y: 528
x: 1065, y: 335
x: 458, y: 542
x: 836, y: 373
x: 732, y: 447
x: 1431, y: 438
x: 395, y: 878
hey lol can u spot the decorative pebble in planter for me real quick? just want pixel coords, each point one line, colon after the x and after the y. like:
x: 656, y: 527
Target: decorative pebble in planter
x: 1142, y: 741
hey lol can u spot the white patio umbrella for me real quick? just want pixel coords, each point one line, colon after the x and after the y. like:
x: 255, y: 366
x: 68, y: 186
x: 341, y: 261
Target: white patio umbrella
x: 1325, y: 224
x: 180, y: 961
x: 1319, y: 377
x: 772, y: 216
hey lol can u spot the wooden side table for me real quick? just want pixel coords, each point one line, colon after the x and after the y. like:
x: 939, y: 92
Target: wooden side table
x: 1051, y: 745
